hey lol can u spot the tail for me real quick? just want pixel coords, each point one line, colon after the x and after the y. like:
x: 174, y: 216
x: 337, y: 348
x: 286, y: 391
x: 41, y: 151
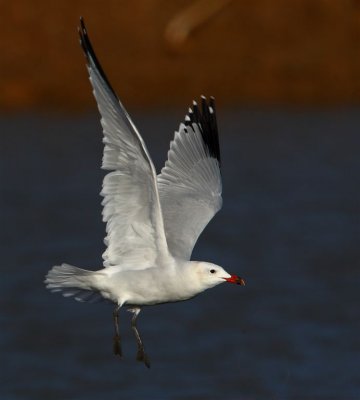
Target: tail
x: 72, y: 281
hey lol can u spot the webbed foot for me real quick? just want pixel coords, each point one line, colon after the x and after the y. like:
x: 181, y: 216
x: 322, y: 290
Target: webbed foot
x: 142, y: 357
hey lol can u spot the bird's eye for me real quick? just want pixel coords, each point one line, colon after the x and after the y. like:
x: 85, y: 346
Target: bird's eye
x: 212, y: 271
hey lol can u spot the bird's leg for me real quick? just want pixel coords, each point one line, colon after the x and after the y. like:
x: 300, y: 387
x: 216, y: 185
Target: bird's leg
x: 117, y: 342
x: 141, y: 355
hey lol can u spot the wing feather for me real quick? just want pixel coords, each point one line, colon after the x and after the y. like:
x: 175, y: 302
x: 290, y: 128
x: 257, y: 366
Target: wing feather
x: 132, y: 211
x: 190, y: 183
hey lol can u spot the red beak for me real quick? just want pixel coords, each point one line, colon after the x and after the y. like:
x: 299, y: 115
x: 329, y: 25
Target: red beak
x: 235, y: 279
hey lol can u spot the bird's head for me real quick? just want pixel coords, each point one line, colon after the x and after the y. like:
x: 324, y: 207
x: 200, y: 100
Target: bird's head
x: 211, y: 275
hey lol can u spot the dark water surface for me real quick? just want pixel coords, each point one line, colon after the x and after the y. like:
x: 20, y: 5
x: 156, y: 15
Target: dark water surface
x: 290, y: 226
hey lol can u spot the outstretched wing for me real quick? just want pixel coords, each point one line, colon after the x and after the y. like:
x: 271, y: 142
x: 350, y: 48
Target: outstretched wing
x: 190, y: 182
x: 132, y: 211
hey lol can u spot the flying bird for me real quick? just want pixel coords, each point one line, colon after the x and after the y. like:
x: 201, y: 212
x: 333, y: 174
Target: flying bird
x: 152, y: 221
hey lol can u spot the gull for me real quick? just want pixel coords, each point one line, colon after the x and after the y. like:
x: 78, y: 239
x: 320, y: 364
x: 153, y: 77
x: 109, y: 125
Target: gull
x: 152, y: 221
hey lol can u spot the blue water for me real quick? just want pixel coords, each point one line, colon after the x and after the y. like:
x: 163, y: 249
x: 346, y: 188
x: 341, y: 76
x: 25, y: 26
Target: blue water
x: 290, y: 226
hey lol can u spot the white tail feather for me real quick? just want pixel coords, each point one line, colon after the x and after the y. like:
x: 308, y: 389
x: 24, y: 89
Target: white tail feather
x: 72, y: 281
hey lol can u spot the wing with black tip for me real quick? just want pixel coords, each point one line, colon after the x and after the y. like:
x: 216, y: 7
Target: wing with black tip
x: 190, y: 182
x: 132, y: 211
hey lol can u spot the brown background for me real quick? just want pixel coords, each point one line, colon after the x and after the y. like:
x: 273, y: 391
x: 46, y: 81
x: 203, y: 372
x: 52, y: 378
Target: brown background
x: 262, y: 52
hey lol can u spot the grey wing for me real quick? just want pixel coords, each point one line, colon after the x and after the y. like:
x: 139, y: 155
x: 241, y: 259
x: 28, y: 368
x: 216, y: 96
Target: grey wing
x: 132, y: 211
x: 190, y: 183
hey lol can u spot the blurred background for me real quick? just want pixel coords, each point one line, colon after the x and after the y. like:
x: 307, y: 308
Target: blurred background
x: 160, y: 53
x: 286, y: 79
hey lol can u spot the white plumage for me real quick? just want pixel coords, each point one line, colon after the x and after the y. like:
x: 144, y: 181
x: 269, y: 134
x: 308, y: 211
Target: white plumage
x: 152, y: 222
x: 190, y: 190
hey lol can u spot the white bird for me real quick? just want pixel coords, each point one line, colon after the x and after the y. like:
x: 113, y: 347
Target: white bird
x: 152, y: 221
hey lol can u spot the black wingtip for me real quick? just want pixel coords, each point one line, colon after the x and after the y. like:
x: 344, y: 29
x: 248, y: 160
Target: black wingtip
x: 206, y: 120
x: 85, y: 41
x: 90, y: 54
